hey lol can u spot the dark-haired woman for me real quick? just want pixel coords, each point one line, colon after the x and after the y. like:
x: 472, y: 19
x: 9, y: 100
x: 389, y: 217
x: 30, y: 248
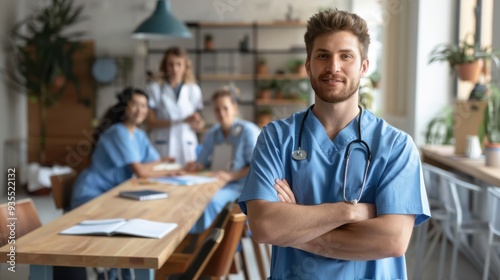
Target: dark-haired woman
x: 175, y: 101
x: 122, y: 149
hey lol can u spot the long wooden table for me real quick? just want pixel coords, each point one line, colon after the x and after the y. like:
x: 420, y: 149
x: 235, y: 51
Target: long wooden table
x: 444, y: 156
x: 46, y: 247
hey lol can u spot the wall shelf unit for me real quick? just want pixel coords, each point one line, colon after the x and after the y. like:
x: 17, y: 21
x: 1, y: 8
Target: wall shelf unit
x: 239, y: 47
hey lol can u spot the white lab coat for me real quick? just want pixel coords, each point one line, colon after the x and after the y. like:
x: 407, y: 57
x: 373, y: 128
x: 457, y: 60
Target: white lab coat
x: 179, y: 140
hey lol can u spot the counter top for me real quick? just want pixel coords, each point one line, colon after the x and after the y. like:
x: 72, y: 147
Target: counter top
x: 445, y: 157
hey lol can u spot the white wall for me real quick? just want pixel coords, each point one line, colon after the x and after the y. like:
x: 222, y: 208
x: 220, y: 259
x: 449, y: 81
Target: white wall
x: 415, y: 91
x: 433, y: 82
x: 12, y: 103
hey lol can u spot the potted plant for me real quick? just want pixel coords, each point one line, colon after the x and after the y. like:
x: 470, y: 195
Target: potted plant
x: 264, y: 116
x: 490, y: 128
x: 375, y: 78
x: 261, y: 66
x: 465, y: 58
x: 265, y: 92
x: 296, y: 66
x: 209, y: 42
x: 439, y: 130
x: 43, y: 51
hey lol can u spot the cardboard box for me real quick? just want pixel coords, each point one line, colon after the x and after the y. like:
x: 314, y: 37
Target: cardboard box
x: 467, y: 118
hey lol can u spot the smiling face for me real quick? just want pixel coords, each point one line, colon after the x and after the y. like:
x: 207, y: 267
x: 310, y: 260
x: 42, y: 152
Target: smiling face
x: 335, y: 66
x: 225, y: 111
x: 137, y: 109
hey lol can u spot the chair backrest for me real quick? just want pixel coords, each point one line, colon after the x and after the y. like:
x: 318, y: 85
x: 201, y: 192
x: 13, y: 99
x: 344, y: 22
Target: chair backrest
x: 23, y: 217
x: 432, y: 182
x: 204, y: 254
x: 457, y: 199
x: 220, y: 263
x: 62, y: 188
x: 494, y: 210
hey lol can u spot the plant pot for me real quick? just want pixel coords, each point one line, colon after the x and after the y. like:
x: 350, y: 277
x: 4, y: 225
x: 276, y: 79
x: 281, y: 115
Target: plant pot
x: 278, y: 94
x: 492, y: 154
x: 262, y: 69
x: 469, y: 71
x: 264, y: 119
x: 265, y: 94
x: 300, y: 70
x: 209, y: 44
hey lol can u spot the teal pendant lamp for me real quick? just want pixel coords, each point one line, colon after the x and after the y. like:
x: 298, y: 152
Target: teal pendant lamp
x: 161, y: 24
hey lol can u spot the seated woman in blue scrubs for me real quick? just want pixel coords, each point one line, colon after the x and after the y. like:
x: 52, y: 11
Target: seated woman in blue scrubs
x: 122, y: 149
x: 227, y: 150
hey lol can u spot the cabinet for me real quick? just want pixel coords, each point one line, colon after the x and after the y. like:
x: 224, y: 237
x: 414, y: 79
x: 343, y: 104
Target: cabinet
x: 234, y: 56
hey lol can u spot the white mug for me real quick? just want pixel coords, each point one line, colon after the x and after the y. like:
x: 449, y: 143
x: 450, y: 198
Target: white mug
x: 473, y: 148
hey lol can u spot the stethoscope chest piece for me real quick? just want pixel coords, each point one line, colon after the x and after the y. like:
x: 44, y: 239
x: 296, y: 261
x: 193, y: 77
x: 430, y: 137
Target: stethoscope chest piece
x: 299, y: 154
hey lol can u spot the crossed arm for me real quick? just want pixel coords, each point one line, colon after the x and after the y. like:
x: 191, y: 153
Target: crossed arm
x: 336, y: 230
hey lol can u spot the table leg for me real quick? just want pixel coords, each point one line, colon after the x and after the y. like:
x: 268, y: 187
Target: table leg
x: 41, y: 272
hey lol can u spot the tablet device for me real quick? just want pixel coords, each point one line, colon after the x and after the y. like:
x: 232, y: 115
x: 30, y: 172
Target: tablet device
x: 143, y: 194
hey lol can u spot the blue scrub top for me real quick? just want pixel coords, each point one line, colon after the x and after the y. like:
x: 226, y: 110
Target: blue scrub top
x: 394, y: 184
x: 110, y: 165
x: 243, y: 136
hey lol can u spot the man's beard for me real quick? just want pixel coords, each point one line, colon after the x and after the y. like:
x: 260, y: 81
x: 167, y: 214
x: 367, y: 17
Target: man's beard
x: 331, y: 97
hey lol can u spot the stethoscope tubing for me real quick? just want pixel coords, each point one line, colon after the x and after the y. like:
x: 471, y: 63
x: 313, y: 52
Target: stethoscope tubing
x: 301, y: 154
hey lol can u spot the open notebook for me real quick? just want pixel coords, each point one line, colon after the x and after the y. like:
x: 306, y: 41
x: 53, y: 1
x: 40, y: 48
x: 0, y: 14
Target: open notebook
x: 135, y: 227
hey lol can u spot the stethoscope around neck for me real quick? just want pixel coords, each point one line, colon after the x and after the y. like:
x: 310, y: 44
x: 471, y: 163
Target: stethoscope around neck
x: 301, y: 154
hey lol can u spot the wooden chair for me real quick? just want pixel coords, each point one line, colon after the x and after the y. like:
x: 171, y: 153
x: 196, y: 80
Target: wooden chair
x: 204, y: 255
x: 190, y: 247
x: 26, y: 219
x: 62, y: 188
x: 224, y: 258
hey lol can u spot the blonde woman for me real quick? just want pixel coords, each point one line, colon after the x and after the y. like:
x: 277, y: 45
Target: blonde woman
x: 175, y: 101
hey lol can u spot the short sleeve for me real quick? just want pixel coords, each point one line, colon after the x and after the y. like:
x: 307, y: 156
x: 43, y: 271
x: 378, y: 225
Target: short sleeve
x: 403, y: 169
x: 150, y: 153
x: 265, y: 166
x: 119, y: 146
x: 207, y: 147
x: 251, y: 134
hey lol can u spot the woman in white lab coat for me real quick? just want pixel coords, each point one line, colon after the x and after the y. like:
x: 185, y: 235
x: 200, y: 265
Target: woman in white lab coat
x: 175, y: 101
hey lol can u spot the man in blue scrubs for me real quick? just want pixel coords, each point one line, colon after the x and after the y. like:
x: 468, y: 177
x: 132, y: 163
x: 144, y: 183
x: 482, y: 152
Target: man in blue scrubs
x: 328, y: 217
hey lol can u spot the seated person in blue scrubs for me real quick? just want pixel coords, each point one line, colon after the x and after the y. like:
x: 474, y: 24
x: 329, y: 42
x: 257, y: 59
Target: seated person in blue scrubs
x: 122, y: 149
x: 227, y: 150
x: 335, y: 189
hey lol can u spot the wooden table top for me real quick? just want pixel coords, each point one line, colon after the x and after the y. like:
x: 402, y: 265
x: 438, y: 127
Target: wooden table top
x: 184, y: 206
x: 445, y: 155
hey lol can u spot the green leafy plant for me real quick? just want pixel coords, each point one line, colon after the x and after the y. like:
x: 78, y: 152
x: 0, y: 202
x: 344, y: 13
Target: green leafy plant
x: 43, y: 52
x: 375, y: 78
x: 208, y: 36
x: 455, y: 54
x: 293, y: 63
x: 490, y: 127
x: 439, y: 130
